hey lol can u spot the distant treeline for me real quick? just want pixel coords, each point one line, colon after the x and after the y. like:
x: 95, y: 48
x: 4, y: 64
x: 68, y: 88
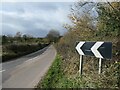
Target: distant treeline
x: 20, y: 45
x: 17, y: 50
x: 52, y: 36
x: 24, y: 39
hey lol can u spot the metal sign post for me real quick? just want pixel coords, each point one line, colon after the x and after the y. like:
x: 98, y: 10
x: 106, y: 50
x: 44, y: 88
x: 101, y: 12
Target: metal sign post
x: 81, y: 64
x: 99, y: 49
x: 100, y: 65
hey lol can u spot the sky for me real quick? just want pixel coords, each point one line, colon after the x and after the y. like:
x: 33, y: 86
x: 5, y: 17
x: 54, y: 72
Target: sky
x: 34, y: 18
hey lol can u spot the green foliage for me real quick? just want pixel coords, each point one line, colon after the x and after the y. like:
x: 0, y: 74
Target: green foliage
x: 56, y: 78
x: 109, y: 19
x: 107, y: 29
x: 13, y: 47
x: 117, y: 73
x: 25, y: 39
x: 16, y: 50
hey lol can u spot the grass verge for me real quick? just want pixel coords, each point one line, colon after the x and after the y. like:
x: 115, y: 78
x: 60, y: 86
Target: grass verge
x: 56, y: 78
x: 53, y: 75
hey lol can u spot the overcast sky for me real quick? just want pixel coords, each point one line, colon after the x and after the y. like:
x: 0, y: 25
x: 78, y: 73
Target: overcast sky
x: 34, y: 18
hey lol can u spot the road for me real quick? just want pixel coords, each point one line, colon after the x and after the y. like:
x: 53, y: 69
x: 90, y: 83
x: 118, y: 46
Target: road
x: 26, y: 71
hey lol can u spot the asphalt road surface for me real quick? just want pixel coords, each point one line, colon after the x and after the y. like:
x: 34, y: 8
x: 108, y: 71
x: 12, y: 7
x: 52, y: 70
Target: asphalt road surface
x: 27, y: 71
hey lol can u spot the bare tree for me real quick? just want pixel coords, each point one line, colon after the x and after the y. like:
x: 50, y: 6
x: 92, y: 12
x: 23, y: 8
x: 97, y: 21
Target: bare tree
x: 18, y: 34
x: 53, y: 35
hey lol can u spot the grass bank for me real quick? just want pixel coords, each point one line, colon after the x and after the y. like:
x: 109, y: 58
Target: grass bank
x: 56, y: 78
x: 53, y: 76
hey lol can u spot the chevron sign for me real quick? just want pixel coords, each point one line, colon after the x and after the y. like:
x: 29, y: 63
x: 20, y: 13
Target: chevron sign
x: 97, y: 49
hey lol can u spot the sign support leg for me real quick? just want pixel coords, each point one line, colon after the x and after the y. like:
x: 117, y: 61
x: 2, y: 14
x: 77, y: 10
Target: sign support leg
x: 81, y: 64
x: 100, y: 65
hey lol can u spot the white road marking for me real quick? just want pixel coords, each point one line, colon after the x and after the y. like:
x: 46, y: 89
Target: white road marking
x: 29, y: 60
x: 2, y: 70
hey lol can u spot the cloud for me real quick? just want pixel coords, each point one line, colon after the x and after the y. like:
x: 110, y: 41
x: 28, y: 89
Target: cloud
x: 34, y: 18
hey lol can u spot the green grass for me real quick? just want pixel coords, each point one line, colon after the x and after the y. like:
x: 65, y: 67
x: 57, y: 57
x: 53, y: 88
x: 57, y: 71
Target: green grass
x: 56, y: 78
x: 53, y: 75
